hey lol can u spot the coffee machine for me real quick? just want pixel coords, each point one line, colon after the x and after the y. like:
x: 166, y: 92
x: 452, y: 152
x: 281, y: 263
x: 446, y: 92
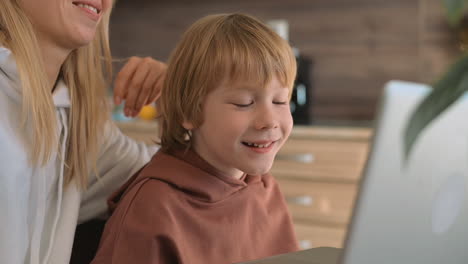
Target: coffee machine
x: 301, y: 99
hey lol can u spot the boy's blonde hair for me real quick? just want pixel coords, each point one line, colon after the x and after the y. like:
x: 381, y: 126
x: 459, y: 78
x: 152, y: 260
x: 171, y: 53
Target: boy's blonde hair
x: 86, y: 72
x: 217, y: 48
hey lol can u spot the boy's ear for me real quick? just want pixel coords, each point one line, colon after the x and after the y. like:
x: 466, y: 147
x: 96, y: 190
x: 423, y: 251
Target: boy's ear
x: 188, y: 125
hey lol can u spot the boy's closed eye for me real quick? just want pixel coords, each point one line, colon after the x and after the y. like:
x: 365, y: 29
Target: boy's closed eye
x: 280, y: 102
x: 247, y: 104
x: 243, y: 104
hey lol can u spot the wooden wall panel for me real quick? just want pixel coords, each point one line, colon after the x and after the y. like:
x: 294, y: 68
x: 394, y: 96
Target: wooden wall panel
x: 439, y: 46
x: 356, y: 46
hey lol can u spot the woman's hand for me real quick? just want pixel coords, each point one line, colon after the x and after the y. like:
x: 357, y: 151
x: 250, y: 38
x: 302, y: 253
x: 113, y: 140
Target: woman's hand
x: 139, y: 83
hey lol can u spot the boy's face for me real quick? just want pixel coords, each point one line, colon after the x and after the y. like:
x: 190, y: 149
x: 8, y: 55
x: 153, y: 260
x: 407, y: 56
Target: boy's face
x: 244, y: 127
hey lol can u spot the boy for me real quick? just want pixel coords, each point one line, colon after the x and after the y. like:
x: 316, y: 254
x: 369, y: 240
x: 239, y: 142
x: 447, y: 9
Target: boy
x: 207, y: 196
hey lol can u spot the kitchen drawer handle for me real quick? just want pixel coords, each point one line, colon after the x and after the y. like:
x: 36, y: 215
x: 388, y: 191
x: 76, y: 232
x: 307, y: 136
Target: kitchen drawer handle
x: 303, y: 200
x: 302, y: 158
x: 305, y: 244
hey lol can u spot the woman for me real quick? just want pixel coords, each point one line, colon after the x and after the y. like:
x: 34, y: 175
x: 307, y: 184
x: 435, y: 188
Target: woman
x: 60, y: 157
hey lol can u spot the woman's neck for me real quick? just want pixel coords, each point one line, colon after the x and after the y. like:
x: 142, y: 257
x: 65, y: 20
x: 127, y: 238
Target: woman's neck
x: 53, y: 57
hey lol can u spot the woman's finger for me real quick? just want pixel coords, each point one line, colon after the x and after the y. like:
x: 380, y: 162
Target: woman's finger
x: 135, y: 86
x: 158, y: 84
x: 123, y: 78
x: 157, y: 89
x: 148, y: 85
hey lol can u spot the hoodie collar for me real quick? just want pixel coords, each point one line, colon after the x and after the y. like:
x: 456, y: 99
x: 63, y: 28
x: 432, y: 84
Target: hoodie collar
x: 194, y: 176
x: 60, y: 96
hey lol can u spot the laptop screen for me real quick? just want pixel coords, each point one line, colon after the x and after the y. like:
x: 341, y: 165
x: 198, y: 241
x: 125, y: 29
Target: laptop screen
x: 413, y: 212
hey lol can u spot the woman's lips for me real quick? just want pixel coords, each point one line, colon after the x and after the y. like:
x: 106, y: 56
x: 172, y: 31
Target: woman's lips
x: 90, y: 13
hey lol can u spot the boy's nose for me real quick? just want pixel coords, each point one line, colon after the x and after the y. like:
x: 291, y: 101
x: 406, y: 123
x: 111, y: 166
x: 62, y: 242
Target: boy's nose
x: 266, y: 119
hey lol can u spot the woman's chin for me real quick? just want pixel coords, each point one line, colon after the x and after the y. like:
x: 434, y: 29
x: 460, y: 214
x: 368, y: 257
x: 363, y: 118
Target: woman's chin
x: 83, y: 38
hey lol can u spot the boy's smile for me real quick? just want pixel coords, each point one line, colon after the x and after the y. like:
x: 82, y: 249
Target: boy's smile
x: 260, y: 146
x: 243, y: 127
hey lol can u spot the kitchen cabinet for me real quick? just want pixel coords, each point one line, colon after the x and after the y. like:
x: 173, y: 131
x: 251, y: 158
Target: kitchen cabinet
x: 318, y: 170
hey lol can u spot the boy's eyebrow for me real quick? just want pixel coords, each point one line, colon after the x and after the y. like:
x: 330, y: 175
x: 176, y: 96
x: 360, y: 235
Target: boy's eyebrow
x: 242, y: 87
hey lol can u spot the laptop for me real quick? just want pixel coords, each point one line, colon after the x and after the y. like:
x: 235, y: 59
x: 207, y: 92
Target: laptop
x: 414, y: 212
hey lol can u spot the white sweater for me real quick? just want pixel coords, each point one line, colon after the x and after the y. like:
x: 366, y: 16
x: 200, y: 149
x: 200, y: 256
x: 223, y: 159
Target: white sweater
x: 38, y: 216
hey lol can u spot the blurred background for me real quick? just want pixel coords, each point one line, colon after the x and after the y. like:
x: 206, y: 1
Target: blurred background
x: 347, y: 49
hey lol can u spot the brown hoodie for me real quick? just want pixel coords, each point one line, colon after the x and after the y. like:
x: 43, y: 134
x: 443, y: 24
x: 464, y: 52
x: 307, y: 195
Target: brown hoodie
x: 179, y: 209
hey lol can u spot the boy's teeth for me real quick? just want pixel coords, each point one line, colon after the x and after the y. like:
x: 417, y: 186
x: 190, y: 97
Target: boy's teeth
x: 89, y: 7
x: 258, y: 145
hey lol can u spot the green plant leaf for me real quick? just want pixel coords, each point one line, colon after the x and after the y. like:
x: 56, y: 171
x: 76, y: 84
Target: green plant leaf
x: 454, y: 10
x: 444, y: 93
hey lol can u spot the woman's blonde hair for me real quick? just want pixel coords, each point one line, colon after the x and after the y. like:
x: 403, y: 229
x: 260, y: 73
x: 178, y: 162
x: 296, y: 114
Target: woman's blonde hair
x: 86, y: 72
x: 232, y: 47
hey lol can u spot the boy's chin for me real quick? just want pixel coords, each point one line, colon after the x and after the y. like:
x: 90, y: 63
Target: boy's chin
x: 258, y: 167
x: 259, y: 171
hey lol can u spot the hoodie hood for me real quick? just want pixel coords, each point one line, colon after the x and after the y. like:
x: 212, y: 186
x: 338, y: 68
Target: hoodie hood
x: 187, y: 172
x: 61, y: 96
x: 8, y: 69
x: 40, y: 215
x: 44, y: 212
